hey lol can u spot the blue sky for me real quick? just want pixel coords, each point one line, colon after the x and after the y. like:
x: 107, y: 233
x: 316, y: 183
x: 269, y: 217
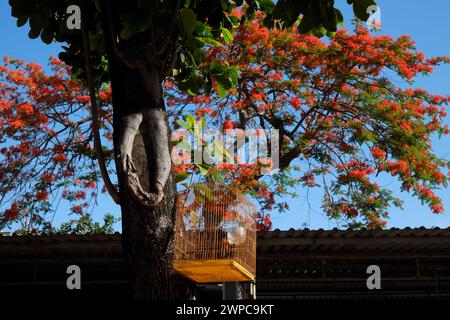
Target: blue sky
x: 426, y: 22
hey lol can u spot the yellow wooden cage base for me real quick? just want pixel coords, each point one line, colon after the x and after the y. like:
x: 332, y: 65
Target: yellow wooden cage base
x: 213, y: 271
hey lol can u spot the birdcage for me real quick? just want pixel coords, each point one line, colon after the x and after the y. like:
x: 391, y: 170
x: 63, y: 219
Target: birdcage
x: 215, y: 234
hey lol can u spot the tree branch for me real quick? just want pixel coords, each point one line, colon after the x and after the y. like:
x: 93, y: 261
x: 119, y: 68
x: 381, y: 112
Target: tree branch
x: 172, y: 25
x: 94, y: 110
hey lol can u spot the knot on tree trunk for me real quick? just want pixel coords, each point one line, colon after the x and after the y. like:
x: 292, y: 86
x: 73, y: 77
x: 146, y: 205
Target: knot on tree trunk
x: 132, y: 181
x: 151, y: 126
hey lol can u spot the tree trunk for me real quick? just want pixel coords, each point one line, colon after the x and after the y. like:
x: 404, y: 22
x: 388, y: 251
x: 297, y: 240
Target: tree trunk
x: 147, y: 231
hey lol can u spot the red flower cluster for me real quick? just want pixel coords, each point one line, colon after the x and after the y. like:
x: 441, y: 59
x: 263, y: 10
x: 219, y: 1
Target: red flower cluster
x: 337, y: 114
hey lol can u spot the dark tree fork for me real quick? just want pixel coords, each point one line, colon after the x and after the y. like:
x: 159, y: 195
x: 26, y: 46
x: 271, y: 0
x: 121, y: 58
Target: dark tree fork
x: 143, y: 41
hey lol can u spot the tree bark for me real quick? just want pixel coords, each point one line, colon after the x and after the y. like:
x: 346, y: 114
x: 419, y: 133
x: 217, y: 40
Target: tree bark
x: 148, y: 232
x: 147, y: 187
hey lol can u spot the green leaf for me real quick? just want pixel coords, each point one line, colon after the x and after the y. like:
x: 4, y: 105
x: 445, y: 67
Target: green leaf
x: 340, y: 17
x: 19, y: 8
x: 204, y: 190
x: 188, y: 21
x: 22, y: 21
x: 221, y: 91
x: 319, y: 31
x: 224, y: 81
x: 266, y: 5
x: 134, y: 22
x: 38, y: 20
x: 203, y: 123
x: 181, y: 176
x: 198, y: 130
x: 96, y: 40
x: 289, y: 10
x: 203, y: 169
x: 184, y: 124
x: 328, y: 16
x: 209, y: 41
x: 47, y: 36
x: 234, y: 75
x: 224, y: 4
x: 190, y: 120
x: 183, y: 144
x: 216, y: 68
x: 227, y: 36
x: 223, y: 150
x: 360, y: 8
x: 34, y: 33
x: 307, y: 23
x: 97, y: 5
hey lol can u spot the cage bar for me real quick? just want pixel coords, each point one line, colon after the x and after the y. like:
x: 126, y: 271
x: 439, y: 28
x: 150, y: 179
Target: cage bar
x: 215, y: 234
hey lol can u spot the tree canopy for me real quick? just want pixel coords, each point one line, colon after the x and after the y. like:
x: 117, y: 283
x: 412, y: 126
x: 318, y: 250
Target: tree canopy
x: 343, y: 124
x: 171, y: 33
x: 46, y: 133
x: 342, y: 120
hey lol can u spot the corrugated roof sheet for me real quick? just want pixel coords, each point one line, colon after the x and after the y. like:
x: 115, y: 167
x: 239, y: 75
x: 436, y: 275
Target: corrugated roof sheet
x: 60, y: 238
x: 338, y: 233
x: 275, y: 234
x: 317, y: 242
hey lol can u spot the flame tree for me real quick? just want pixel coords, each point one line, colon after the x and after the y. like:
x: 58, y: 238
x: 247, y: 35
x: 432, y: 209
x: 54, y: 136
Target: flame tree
x: 333, y: 104
x: 343, y: 123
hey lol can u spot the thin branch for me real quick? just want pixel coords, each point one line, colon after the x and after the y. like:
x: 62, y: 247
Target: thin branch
x: 94, y: 109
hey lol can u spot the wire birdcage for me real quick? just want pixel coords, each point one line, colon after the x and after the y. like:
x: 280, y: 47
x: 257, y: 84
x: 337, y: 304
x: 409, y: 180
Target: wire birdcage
x: 215, y: 234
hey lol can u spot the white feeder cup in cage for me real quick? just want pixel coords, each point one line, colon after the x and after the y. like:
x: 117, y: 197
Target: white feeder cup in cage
x: 237, y: 235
